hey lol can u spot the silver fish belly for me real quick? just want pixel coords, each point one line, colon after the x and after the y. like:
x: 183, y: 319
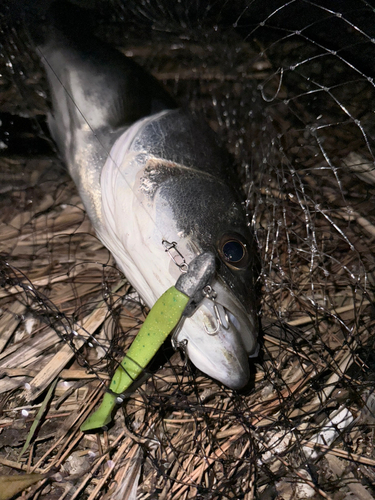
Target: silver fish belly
x: 150, y: 176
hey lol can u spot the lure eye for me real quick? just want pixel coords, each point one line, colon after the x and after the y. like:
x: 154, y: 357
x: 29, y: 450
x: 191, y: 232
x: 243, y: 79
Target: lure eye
x: 233, y: 251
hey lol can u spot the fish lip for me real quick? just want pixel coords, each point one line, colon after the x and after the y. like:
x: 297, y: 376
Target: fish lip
x: 228, y: 366
x: 222, y: 353
x: 234, y: 379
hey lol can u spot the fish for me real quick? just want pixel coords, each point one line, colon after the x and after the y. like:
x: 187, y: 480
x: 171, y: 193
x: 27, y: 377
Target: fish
x: 158, y: 188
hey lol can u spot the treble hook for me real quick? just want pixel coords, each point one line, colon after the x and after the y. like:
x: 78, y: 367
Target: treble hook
x: 210, y: 294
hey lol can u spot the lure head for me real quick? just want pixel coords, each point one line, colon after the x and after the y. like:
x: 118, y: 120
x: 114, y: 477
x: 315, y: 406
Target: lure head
x: 167, y: 181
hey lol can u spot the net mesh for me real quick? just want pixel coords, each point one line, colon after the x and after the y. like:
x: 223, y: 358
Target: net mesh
x: 289, y: 88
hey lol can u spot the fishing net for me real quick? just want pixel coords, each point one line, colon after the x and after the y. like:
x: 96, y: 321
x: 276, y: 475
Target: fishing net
x: 289, y: 88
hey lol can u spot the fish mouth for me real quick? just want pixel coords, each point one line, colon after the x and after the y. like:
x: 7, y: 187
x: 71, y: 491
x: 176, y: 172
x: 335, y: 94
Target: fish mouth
x: 219, y: 337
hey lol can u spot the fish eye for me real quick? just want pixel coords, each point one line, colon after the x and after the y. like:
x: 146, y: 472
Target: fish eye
x: 233, y: 251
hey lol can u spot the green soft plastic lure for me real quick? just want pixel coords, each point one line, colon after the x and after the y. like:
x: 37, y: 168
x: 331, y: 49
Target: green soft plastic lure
x: 161, y: 320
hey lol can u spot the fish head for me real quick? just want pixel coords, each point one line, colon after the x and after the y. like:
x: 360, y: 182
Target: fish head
x: 221, y: 333
x: 170, y: 188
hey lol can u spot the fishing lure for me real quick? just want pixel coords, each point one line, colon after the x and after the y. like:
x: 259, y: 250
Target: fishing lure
x: 178, y: 301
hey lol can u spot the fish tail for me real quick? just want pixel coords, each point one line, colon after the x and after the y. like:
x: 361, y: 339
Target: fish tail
x: 92, y: 84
